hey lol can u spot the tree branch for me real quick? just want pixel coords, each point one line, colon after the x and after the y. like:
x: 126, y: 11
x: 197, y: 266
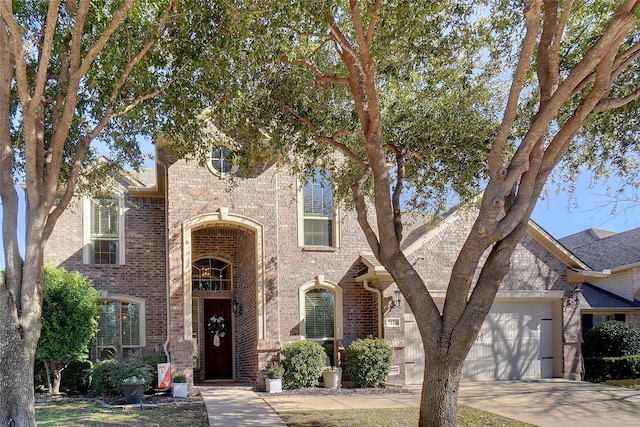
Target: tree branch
x: 397, y: 193
x: 361, y: 211
x: 532, y: 25
x: 374, y: 18
x: 320, y: 76
x: 332, y: 140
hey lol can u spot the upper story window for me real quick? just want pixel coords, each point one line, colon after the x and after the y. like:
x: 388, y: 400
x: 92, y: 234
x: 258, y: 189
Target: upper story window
x: 211, y: 274
x: 317, y: 220
x: 221, y: 162
x: 120, y: 328
x: 104, y: 231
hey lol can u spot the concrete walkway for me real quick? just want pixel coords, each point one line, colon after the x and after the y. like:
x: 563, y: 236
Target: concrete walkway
x: 547, y: 403
x: 237, y: 407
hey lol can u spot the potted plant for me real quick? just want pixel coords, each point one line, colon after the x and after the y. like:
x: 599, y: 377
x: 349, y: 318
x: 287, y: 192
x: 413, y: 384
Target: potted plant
x: 133, y: 388
x: 332, y: 377
x: 180, y: 385
x: 275, y: 372
x: 135, y: 376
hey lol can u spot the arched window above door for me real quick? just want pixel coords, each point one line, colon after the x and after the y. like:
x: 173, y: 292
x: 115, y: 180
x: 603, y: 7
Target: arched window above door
x: 211, y: 274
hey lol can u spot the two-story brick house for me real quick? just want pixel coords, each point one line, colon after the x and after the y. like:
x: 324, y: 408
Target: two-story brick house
x: 278, y: 261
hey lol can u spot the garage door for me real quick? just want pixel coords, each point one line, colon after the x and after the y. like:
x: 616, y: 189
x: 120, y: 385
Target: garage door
x: 515, y: 342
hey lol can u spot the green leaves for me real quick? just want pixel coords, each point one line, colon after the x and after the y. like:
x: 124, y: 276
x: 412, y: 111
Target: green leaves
x: 69, y: 313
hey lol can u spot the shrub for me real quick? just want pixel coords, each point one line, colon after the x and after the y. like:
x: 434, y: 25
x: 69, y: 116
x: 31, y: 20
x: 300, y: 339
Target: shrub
x: 612, y: 339
x: 108, y: 375
x: 368, y: 361
x: 77, y: 375
x: 101, y: 377
x: 303, y: 363
x: 153, y: 360
x: 598, y: 369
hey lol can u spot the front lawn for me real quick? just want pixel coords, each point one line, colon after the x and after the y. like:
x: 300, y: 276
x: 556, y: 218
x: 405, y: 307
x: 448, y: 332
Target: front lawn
x: 82, y: 413
x: 391, y: 417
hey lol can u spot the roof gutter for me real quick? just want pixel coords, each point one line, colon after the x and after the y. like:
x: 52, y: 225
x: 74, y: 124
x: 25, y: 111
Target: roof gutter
x: 575, y: 275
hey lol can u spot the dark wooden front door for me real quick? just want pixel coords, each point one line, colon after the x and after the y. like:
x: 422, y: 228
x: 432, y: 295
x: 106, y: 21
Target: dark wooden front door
x: 218, y: 359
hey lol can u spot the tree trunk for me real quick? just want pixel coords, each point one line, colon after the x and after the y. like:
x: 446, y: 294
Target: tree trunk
x: 56, y: 373
x: 439, y: 400
x: 17, y: 401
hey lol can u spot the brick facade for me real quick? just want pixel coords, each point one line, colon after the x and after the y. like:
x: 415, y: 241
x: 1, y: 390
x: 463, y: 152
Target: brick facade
x: 253, y: 224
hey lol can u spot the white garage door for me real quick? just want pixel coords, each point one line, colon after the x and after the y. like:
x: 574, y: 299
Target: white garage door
x: 515, y: 342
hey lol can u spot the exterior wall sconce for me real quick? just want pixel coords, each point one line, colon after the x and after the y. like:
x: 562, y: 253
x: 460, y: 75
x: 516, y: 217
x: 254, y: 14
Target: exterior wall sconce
x: 573, y: 298
x: 236, y: 308
x: 396, y: 299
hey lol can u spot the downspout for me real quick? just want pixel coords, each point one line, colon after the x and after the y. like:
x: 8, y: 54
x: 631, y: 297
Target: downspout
x: 277, y: 266
x: 365, y: 283
x: 165, y: 346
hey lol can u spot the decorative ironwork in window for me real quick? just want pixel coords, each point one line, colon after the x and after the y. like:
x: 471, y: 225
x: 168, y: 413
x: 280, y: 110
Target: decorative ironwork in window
x: 211, y: 274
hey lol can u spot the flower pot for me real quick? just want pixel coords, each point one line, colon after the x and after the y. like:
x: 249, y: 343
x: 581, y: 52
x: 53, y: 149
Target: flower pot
x: 332, y: 379
x: 274, y: 385
x: 179, y: 389
x: 133, y: 392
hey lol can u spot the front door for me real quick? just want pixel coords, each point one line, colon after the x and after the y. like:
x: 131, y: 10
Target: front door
x: 218, y: 352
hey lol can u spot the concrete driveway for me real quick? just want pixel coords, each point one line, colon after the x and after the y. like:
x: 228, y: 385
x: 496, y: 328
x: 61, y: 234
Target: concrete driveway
x: 551, y: 403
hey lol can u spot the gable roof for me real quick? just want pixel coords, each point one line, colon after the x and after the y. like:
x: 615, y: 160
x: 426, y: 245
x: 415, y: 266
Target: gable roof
x: 594, y: 298
x: 421, y: 232
x: 603, y: 250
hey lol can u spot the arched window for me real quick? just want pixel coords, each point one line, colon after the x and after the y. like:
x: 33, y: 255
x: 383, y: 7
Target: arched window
x: 321, y: 315
x: 211, y: 274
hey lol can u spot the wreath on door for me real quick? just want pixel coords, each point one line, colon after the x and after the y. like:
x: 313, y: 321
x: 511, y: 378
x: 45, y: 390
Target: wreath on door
x: 217, y: 325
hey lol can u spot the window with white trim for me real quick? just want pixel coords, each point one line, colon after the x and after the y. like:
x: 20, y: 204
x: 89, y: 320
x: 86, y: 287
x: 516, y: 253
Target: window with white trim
x: 321, y: 315
x: 120, y: 329
x: 221, y: 163
x: 317, y: 224
x: 104, y: 231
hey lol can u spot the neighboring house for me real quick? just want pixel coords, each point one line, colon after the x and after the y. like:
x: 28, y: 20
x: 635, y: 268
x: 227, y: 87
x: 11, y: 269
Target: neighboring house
x: 614, y: 292
x: 279, y: 262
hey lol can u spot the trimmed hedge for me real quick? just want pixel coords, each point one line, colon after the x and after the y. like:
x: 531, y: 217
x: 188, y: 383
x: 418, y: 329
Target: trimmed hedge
x: 611, y: 339
x: 368, y: 361
x: 599, y: 369
x: 303, y: 363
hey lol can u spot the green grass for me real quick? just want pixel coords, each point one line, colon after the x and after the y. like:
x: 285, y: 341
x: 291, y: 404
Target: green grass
x: 81, y: 413
x: 396, y: 417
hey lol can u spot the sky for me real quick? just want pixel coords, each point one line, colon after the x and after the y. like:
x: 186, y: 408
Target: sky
x: 555, y: 215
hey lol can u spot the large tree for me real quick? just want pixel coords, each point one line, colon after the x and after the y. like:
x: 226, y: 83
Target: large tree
x: 74, y: 75
x: 400, y: 89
